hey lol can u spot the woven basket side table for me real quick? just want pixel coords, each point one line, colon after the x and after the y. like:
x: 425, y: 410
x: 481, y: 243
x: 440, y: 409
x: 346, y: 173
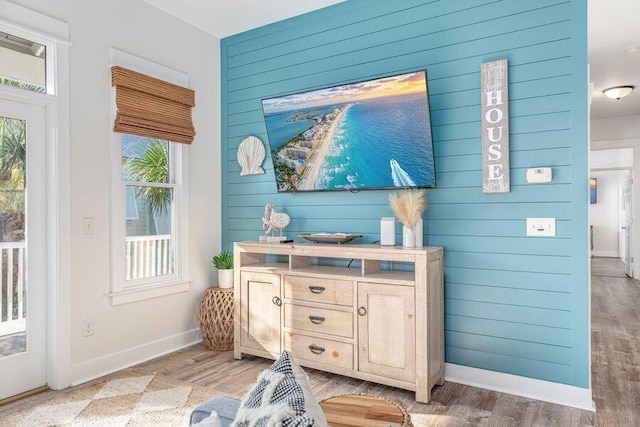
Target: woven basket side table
x: 216, y: 318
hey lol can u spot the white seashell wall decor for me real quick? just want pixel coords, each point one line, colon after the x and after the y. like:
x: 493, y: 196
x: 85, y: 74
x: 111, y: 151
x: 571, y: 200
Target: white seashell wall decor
x: 250, y: 156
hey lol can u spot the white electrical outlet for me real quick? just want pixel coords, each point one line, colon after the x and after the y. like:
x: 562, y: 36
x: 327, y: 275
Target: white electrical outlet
x: 541, y: 227
x: 87, y: 327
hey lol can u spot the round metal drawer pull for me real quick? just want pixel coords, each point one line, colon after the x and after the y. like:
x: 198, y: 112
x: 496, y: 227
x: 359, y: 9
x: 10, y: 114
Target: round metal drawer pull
x: 362, y: 311
x: 316, y: 350
x: 277, y: 301
x: 316, y: 319
x: 317, y: 289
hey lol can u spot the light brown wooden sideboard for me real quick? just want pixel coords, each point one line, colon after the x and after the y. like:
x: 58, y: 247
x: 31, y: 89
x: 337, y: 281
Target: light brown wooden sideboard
x: 335, y: 309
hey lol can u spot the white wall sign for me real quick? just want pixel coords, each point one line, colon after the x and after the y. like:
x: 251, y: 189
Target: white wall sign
x: 494, y: 87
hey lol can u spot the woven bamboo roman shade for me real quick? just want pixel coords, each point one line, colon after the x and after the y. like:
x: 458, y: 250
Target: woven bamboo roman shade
x: 151, y: 107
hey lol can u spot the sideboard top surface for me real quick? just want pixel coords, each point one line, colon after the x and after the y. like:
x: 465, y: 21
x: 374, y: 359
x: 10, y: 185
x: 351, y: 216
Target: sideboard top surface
x: 348, y: 250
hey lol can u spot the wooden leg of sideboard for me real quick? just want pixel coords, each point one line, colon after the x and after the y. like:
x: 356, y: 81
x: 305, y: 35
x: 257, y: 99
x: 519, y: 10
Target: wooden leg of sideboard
x: 423, y: 395
x: 237, y: 353
x: 440, y: 380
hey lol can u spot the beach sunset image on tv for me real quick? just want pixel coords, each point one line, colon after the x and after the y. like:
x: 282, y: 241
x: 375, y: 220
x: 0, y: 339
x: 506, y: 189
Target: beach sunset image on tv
x: 367, y: 135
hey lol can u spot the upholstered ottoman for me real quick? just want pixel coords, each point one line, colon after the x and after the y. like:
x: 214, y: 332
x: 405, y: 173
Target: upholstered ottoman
x: 226, y: 407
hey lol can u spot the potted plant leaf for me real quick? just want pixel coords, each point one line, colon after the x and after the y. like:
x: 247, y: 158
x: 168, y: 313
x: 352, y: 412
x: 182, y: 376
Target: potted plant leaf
x: 223, y: 262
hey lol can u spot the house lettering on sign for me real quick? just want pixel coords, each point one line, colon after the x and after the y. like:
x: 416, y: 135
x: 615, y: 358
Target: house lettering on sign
x: 495, y: 127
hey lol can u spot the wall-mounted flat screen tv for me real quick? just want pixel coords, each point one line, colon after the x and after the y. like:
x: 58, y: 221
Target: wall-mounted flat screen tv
x: 373, y: 134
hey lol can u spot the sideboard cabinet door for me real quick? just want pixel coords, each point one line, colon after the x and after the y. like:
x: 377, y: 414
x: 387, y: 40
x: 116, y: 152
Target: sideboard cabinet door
x: 386, y: 330
x: 260, y: 306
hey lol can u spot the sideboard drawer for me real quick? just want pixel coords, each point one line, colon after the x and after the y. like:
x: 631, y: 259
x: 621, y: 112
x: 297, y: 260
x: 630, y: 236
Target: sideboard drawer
x: 317, y: 350
x: 332, y: 322
x: 330, y: 291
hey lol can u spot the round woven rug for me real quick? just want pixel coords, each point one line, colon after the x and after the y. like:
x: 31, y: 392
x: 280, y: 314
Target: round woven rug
x: 364, y: 410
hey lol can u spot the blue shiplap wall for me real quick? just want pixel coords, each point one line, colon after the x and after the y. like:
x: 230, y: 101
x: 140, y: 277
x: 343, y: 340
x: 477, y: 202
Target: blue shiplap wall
x: 513, y: 304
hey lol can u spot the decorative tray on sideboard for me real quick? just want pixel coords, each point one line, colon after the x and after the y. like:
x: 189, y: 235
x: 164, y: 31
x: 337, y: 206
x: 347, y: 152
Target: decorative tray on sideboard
x: 329, y: 238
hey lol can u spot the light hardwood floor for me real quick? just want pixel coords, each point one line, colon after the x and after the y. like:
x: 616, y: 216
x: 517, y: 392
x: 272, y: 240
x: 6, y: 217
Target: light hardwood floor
x: 615, y: 365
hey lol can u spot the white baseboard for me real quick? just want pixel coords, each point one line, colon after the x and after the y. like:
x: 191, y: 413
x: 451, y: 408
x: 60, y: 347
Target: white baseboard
x: 101, y: 366
x: 546, y: 391
x: 607, y: 254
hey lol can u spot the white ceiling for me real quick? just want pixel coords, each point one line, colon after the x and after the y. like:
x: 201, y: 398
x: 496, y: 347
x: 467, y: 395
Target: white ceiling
x: 228, y: 17
x: 614, y: 26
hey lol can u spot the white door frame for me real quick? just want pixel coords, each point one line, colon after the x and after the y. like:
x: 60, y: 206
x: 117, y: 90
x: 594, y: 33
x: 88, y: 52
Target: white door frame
x: 627, y: 226
x: 54, y: 34
x: 630, y: 169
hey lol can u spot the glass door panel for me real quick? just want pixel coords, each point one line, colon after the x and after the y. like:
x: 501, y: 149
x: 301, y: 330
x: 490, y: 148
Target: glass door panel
x: 22, y: 248
x: 13, y: 307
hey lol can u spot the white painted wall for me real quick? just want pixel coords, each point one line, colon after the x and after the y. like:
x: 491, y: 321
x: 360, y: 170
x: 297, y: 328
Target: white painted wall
x: 129, y: 333
x: 605, y: 215
x: 615, y: 132
x: 615, y: 158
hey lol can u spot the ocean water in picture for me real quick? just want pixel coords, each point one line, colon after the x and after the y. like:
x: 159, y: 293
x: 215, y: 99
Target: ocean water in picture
x: 381, y: 143
x: 359, y: 143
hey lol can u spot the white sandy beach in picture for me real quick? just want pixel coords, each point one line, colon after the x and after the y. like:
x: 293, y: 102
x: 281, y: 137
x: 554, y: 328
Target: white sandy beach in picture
x: 315, y: 162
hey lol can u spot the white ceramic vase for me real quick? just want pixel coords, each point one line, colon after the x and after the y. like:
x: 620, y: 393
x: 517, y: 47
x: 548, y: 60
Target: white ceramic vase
x: 408, y: 237
x: 225, y: 278
x: 419, y: 233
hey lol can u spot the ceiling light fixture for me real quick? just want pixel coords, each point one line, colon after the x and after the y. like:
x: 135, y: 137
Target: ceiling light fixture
x: 618, y: 92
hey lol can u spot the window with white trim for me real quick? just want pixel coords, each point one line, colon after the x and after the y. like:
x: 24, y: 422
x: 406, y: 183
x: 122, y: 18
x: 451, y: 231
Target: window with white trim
x: 22, y: 62
x: 149, y: 207
x: 149, y: 180
x: 27, y: 59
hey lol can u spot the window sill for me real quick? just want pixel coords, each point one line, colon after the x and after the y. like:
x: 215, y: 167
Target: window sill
x: 147, y: 292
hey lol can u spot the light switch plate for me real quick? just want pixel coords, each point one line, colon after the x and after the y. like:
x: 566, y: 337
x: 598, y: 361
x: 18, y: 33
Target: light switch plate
x: 541, y: 227
x: 87, y: 225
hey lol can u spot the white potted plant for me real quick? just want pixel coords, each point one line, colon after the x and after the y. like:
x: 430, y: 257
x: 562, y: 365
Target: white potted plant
x: 223, y: 262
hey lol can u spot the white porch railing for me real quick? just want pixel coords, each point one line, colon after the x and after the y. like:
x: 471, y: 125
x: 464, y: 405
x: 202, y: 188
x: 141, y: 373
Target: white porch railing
x: 12, y: 291
x: 148, y: 256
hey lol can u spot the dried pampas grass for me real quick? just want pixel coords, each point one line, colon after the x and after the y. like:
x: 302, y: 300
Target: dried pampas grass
x: 408, y: 206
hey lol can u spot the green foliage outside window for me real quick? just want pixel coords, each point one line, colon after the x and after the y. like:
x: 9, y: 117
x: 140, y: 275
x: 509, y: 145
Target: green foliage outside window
x: 151, y: 166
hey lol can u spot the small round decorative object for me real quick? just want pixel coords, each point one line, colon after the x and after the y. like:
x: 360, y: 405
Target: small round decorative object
x: 216, y: 318
x: 280, y: 220
x: 356, y: 410
x: 251, y: 154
